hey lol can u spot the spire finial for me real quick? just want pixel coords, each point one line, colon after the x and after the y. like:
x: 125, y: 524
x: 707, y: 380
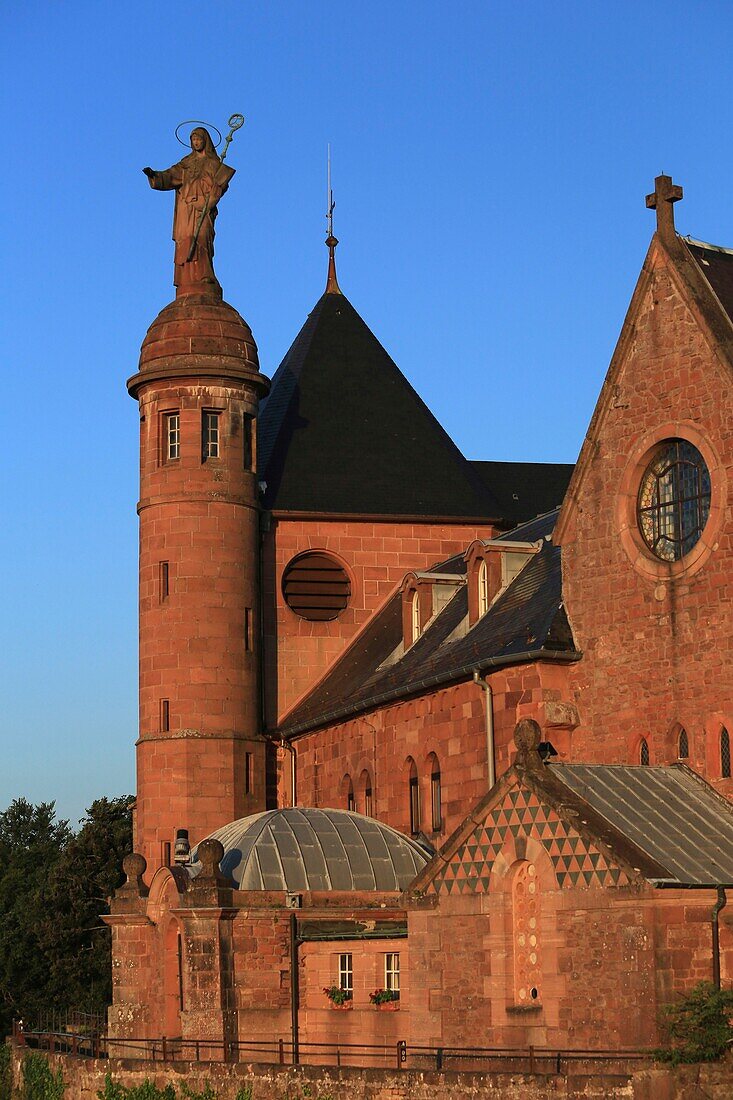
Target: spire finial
x: 332, y: 285
x: 665, y: 194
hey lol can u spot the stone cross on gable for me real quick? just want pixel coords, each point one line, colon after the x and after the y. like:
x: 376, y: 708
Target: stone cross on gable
x: 665, y: 194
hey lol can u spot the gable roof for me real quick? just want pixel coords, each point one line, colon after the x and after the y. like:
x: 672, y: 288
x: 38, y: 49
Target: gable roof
x: 525, y: 489
x: 664, y: 825
x: 344, y: 433
x: 669, y: 813
x: 526, y: 622
x: 704, y: 274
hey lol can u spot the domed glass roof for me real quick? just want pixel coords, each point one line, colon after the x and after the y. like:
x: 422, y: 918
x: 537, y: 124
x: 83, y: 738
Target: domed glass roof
x: 307, y: 849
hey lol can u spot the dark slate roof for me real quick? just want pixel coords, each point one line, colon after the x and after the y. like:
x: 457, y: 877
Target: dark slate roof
x: 307, y: 849
x: 670, y: 815
x: 716, y: 264
x: 525, y: 489
x: 526, y: 621
x: 343, y: 431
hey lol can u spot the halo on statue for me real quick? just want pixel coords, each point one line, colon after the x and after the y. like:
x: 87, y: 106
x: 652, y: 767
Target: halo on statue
x: 193, y: 123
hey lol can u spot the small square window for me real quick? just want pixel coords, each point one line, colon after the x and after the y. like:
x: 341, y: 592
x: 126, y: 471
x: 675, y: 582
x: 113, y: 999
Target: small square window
x: 210, y: 434
x: 392, y: 971
x: 346, y: 972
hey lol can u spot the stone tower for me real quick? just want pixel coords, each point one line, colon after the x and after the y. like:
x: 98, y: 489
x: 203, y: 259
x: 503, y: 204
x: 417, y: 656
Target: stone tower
x: 200, y: 755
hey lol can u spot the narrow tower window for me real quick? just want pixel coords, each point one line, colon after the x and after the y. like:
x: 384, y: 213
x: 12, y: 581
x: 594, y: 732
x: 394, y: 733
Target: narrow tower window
x: 724, y: 753
x: 165, y: 715
x: 164, y: 581
x: 172, y: 436
x: 248, y: 629
x: 483, y: 589
x: 683, y: 745
x: 248, y: 772
x: 644, y: 752
x: 247, y: 442
x: 210, y: 434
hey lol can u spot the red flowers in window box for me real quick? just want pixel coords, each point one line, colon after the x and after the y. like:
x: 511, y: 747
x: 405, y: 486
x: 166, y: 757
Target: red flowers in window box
x: 339, y: 998
x: 386, y: 1000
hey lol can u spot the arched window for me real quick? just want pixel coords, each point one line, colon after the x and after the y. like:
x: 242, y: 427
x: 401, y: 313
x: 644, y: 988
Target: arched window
x: 683, y: 745
x: 415, y: 616
x: 414, y: 796
x: 526, y: 930
x: 348, y: 788
x: 724, y: 753
x: 483, y: 588
x: 436, y: 809
x: 644, y: 751
x: 365, y: 784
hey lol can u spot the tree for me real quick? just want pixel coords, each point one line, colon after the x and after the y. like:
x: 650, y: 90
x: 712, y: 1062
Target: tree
x: 75, y: 941
x: 54, y: 886
x: 31, y: 840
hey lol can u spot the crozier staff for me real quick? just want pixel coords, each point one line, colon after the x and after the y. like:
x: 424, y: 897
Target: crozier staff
x: 199, y: 180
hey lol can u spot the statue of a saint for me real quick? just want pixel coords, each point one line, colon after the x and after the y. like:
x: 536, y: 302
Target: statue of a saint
x: 199, y: 180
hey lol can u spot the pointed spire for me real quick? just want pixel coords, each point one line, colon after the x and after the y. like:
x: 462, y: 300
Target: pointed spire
x: 332, y: 283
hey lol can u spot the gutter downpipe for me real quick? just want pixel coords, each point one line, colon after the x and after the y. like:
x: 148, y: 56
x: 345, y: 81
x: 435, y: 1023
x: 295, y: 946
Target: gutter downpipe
x: 489, y: 713
x: 719, y: 904
x: 293, y: 774
x: 294, y: 989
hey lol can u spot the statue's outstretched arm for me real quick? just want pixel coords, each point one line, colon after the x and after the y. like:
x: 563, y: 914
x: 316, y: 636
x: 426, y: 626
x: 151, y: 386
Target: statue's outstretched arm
x: 167, y: 180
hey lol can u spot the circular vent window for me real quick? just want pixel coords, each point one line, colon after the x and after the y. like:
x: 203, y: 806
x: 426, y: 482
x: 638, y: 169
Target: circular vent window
x: 316, y: 587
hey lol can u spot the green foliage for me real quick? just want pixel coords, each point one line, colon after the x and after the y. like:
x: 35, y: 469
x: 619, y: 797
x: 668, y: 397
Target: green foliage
x: 244, y: 1092
x: 337, y: 995
x: 5, y: 1073
x: 39, y: 1080
x: 31, y: 840
x: 698, y: 1026
x: 74, y: 939
x: 54, y: 884
x: 383, y: 996
x: 190, y: 1094
x: 148, y: 1090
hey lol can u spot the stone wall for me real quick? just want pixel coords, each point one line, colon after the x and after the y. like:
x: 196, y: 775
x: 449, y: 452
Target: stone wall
x: 85, y: 1077
x: 657, y: 637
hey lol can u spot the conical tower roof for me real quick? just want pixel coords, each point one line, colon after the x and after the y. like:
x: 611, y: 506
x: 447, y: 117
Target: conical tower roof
x: 343, y: 432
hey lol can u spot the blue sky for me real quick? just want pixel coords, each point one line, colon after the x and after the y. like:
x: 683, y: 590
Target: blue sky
x: 490, y: 162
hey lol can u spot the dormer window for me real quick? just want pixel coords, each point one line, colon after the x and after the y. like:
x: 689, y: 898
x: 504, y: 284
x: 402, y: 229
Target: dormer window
x: 491, y: 566
x: 416, y: 627
x: 483, y: 588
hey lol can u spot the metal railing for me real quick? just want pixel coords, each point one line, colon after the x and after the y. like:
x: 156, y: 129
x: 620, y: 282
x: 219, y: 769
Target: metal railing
x: 279, y: 1051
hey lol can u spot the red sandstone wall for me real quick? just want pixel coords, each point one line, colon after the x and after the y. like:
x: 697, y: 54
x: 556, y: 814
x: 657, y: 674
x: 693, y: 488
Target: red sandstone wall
x: 200, y: 517
x: 375, y: 555
x: 450, y: 724
x: 606, y: 968
x: 658, y: 647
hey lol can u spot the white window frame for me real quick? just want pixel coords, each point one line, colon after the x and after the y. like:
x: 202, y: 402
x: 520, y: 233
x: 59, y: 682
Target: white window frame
x: 415, y: 616
x: 483, y: 588
x: 392, y: 971
x: 346, y: 972
x: 210, y: 431
x: 172, y: 440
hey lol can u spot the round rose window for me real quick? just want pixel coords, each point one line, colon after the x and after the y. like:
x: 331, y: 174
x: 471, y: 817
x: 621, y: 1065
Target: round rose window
x: 316, y: 587
x: 674, y: 499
